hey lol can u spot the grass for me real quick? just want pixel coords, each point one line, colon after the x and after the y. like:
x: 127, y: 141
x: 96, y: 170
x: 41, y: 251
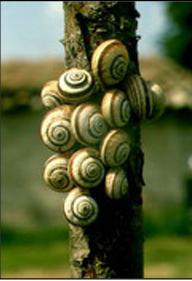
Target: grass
x: 45, y: 254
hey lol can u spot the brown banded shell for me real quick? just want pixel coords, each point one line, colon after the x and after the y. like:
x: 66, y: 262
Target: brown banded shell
x: 115, y: 148
x: 55, y: 174
x: 110, y: 62
x: 50, y: 95
x: 115, y: 108
x: 76, y: 85
x: 56, y: 129
x: 88, y: 124
x: 80, y: 208
x: 116, y: 183
x: 86, y: 169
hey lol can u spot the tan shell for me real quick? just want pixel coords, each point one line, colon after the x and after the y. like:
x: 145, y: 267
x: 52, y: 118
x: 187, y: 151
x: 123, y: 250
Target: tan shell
x: 76, y: 85
x: 88, y: 124
x: 115, y: 108
x: 116, y: 183
x: 80, y: 208
x: 55, y: 173
x: 137, y: 92
x: 86, y: 169
x: 56, y: 129
x: 115, y: 148
x: 110, y: 62
x: 50, y: 95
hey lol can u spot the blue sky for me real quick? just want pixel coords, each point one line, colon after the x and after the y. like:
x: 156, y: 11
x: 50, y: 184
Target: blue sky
x: 32, y: 29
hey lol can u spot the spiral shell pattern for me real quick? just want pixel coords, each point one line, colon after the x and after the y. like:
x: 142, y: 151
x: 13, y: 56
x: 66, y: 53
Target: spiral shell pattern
x: 88, y: 124
x: 76, y: 85
x: 110, y: 62
x: 55, y: 174
x: 50, y: 96
x: 116, y: 183
x: 80, y: 208
x: 115, y: 108
x: 115, y: 148
x: 56, y: 129
x: 86, y: 169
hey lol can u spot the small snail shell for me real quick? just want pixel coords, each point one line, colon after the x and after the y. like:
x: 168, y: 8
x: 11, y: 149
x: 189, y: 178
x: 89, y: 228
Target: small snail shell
x: 115, y: 108
x: 88, y: 124
x: 116, y: 183
x: 56, y: 173
x: 115, y: 148
x: 50, y: 95
x: 85, y: 168
x: 156, y: 98
x: 110, y: 62
x: 56, y: 129
x: 137, y: 92
x: 80, y: 208
x: 76, y: 85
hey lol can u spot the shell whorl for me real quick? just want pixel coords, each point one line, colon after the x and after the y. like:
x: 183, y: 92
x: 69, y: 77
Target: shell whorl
x: 76, y: 85
x: 80, y: 208
x: 116, y: 183
x: 115, y: 108
x: 56, y: 129
x: 88, y: 124
x: 50, y: 96
x: 115, y: 148
x: 156, y: 98
x: 86, y: 169
x: 110, y: 62
x: 55, y: 174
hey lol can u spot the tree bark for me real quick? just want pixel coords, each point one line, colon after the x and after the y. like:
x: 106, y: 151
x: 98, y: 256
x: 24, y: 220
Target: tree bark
x: 112, y: 247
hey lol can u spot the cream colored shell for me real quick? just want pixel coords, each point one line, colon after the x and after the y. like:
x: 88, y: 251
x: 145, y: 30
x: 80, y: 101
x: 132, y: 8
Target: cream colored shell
x: 115, y: 148
x: 110, y: 62
x: 80, y: 208
x: 88, y: 124
x: 56, y: 129
x: 50, y: 95
x: 76, y: 85
x: 86, y: 169
x: 156, y: 98
x: 115, y: 108
x: 55, y: 173
x: 116, y: 183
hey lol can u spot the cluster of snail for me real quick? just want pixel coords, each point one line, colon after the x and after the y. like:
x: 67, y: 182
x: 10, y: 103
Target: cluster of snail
x: 90, y: 138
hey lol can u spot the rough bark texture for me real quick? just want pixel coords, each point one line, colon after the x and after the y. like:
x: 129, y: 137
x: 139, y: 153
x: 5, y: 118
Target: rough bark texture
x: 112, y: 247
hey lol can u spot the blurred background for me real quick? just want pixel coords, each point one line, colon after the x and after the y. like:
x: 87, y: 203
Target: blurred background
x: 34, y: 234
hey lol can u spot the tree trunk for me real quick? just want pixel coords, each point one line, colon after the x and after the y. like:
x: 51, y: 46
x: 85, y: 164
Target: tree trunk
x: 112, y: 247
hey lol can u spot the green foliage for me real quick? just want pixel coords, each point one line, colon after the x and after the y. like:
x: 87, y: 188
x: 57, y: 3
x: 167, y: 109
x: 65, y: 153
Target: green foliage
x: 178, y: 38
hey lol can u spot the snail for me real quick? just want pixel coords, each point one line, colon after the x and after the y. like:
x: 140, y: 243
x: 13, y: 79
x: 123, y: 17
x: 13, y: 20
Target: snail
x: 55, y: 173
x: 116, y: 183
x: 88, y: 124
x: 110, y: 62
x: 115, y: 148
x: 56, y: 129
x: 80, y: 208
x: 76, y: 85
x: 85, y: 168
x: 50, y: 95
x: 115, y: 108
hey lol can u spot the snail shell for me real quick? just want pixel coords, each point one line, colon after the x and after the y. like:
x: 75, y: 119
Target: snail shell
x: 76, y: 85
x: 80, y: 208
x: 85, y: 168
x: 115, y: 108
x: 110, y: 62
x: 50, y: 96
x: 55, y: 173
x: 137, y: 92
x: 115, y: 148
x: 116, y: 183
x: 88, y: 124
x: 56, y: 129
